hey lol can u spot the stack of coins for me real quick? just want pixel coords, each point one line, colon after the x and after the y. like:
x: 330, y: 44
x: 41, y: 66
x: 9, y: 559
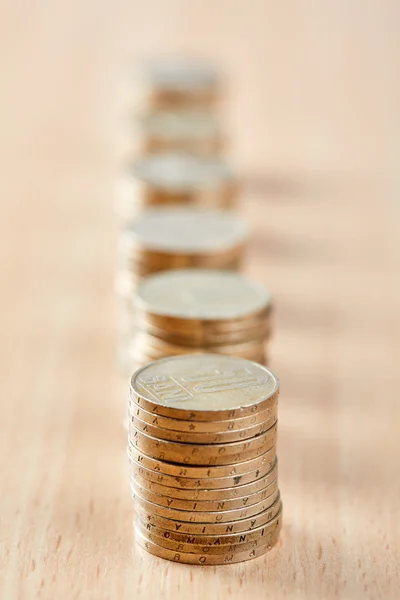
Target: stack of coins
x: 194, y: 132
x: 163, y: 179
x: 171, y: 84
x: 172, y: 238
x: 202, y: 450
x: 197, y: 311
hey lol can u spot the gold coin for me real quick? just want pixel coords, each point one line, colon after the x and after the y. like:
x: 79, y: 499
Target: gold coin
x: 174, y: 178
x: 201, y: 454
x: 142, y: 269
x: 247, y: 346
x: 201, y: 294
x: 270, y: 414
x: 204, y: 387
x: 194, y: 485
x: 219, y: 539
x: 174, y: 83
x: 206, y: 559
x: 193, y: 131
x: 203, y: 506
x: 202, y: 438
x: 194, y: 325
x: 196, y: 460
x: 155, y: 536
x: 206, y: 517
x: 204, y: 493
x: 177, y: 236
x: 239, y: 526
x: 237, y: 471
x: 135, y: 257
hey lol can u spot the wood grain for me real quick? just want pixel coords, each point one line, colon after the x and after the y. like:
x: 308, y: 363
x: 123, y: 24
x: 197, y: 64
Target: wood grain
x: 313, y: 116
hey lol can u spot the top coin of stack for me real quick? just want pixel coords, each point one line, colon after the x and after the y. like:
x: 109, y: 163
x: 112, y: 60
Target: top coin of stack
x: 171, y: 84
x: 194, y: 132
x: 202, y: 449
x: 171, y: 179
x: 196, y: 310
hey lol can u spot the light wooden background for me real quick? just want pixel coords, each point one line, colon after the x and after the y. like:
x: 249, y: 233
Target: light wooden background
x: 314, y: 120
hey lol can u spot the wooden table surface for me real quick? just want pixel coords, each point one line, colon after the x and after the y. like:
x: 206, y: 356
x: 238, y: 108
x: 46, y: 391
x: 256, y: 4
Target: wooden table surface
x: 313, y: 114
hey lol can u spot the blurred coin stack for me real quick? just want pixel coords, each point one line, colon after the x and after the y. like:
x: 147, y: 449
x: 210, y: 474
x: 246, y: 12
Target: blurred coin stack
x: 166, y: 179
x: 189, y: 131
x: 170, y: 138
x: 191, y: 311
x: 172, y: 238
x: 173, y: 84
x: 202, y: 450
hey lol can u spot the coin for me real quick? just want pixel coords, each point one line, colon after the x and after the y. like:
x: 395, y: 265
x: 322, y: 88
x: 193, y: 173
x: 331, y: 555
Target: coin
x: 193, y: 485
x: 191, y: 325
x: 201, y: 454
x: 191, y: 547
x: 172, y: 178
x: 204, y: 493
x: 201, y: 294
x: 236, y: 471
x: 178, y: 83
x: 147, y: 263
x: 270, y: 414
x: 186, y: 231
x: 205, y: 517
x: 204, y: 505
x: 204, y: 387
x: 220, y: 343
x: 218, y: 539
x: 197, y: 460
x: 239, y: 526
x: 205, y: 559
x: 193, y: 131
x: 202, y: 438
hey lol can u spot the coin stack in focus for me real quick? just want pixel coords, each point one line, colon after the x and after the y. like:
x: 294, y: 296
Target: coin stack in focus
x: 172, y: 238
x: 202, y: 450
x: 196, y: 311
x: 163, y: 179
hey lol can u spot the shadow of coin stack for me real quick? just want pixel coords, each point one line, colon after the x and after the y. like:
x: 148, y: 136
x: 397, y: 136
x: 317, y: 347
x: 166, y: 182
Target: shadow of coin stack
x: 172, y: 238
x: 202, y: 450
x: 191, y: 311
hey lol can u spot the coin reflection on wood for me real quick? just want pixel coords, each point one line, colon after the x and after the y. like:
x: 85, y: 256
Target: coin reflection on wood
x: 191, y: 503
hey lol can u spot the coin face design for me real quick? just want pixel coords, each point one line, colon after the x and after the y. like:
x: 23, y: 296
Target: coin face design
x: 204, y: 382
x: 201, y: 294
x: 187, y: 230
